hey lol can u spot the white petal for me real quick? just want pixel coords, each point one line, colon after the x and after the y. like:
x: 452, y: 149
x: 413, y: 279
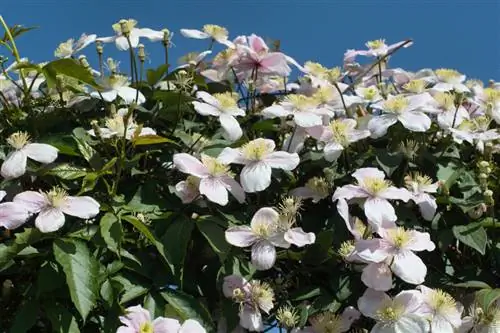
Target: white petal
x: 275, y: 111
x: 234, y: 188
x: 409, y: 267
x: 363, y: 173
x: 378, y: 125
x: 241, y: 236
x: 14, y: 165
x: 441, y: 325
x: 214, y: 190
x: 348, y: 192
x: 377, y: 276
x: 255, y: 177
x: 263, y: 255
x: 163, y: 325
x: 193, y: 33
x: 128, y: 94
x: 428, y: 207
x: 232, y: 129
x: 191, y: 165
x: 49, y: 220
x: 150, y: 34
x: 41, y: 152
x: 82, y: 207
x: 379, y: 211
x: 231, y: 155
x: 332, y: 151
x: 307, y: 119
x: 191, y: 326
x: 108, y: 96
x: 394, y: 193
x: 412, y: 324
x: 2, y: 194
x: 371, y: 301
x: 251, y: 319
x: 299, y: 237
x: 32, y: 201
x: 282, y: 160
x: 121, y: 43
x: 12, y: 215
x: 206, y: 109
x: 415, y: 121
x: 266, y: 216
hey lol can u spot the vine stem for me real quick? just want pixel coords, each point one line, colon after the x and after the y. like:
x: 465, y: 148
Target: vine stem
x: 15, y: 52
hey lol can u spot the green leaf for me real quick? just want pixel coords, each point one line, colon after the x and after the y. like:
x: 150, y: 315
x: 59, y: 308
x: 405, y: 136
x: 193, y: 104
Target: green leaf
x: 175, y: 242
x: 8, y: 251
x: 214, y: 232
x: 111, y: 231
x: 473, y: 285
x: 306, y: 293
x: 189, y: 308
x: 472, y: 235
x: 26, y: 317
x: 486, y: 297
x: 267, y: 125
x: 16, y: 30
x: 61, y: 319
x: 388, y: 161
x: 89, y: 182
x: 82, y: 273
x: 155, y: 75
x: 68, y: 67
x: 82, y: 140
x: 449, y: 173
x: 67, y: 171
x: 151, y: 140
x: 107, y: 293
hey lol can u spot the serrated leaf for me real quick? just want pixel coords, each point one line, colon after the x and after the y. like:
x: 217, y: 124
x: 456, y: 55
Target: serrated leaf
x: 111, y: 231
x: 472, y: 235
x: 67, y: 171
x: 189, y: 307
x: 151, y: 140
x: 82, y: 273
x: 8, y: 251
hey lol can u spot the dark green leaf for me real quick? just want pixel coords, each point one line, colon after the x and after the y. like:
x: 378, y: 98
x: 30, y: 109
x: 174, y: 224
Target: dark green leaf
x: 8, y: 251
x: 151, y: 140
x: 155, y: 75
x: 67, y: 171
x: 472, y: 235
x: 486, y: 297
x: 111, y: 231
x: 16, y: 30
x: 388, y: 161
x: 61, y: 319
x: 473, y: 285
x: 306, y: 293
x: 26, y: 317
x: 214, y: 232
x: 68, y: 67
x: 176, y: 242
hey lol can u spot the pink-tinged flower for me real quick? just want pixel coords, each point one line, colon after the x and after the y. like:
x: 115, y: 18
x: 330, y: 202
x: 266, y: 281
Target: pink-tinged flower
x: 70, y: 47
x: 216, y: 178
x: 259, y: 159
x: 475, y: 131
x: 305, y: 111
x: 376, y: 48
x: 404, y: 109
x: 448, y: 79
x: 395, y: 250
x: 225, y: 107
x: 375, y: 191
x: 14, y: 165
x: 420, y: 186
x: 443, y: 105
x: 52, y: 205
x: 12, y: 215
x: 215, y: 32
x: 444, y: 313
x: 337, y: 136
x: 138, y: 320
x: 115, y: 126
x: 401, y: 314
x: 129, y: 26
x: 118, y: 86
x: 263, y: 235
x: 188, y: 190
x: 316, y: 188
x: 221, y: 65
x: 256, y: 59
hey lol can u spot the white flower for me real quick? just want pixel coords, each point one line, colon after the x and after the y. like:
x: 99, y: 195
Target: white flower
x: 52, y: 205
x: 118, y: 85
x: 420, y: 186
x: 70, y: 47
x: 443, y: 311
x: 225, y: 107
x: 401, y: 314
x: 213, y: 31
x: 188, y: 190
x: 402, y: 109
x: 12, y: 215
x: 192, y: 59
x: 448, y: 115
x: 316, y: 188
x: 115, y: 126
x: 14, y: 165
x: 134, y: 34
x: 259, y: 159
x: 475, y: 131
x: 448, y: 79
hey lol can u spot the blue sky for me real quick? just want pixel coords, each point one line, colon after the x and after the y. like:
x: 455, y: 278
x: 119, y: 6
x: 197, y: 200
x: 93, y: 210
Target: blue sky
x: 464, y: 35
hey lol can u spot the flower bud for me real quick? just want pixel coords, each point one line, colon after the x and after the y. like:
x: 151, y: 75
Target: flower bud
x: 83, y: 61
x: 140, y: 52
x: 488, y: 197
x: 99, y: 47
x: 97, y: 129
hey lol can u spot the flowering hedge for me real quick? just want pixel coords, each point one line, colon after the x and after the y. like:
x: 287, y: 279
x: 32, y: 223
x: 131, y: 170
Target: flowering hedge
x: 221, y: 196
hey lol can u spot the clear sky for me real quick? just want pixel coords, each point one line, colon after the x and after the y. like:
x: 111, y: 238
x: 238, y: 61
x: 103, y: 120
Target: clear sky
x: 460, y: 34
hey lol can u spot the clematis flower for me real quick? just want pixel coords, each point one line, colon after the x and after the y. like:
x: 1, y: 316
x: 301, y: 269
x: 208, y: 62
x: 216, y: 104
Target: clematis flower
x: 488, y: 100
x: 216, y: 178
x: 115, y: 86
x: 394, y: 252
x: 448, y: 115
x: 448, y: 79
x: 375, y: 192
x: 401, y: 314
x: 188, y: 190
x: 138, y: 320
x: 14, y: 165
x: 420, y: 186
x: 225, y: 107
x: 193, y: 59
x: 12, y: 215
x: 338, y: 135
x: 330, y: 322
x: 376, y: 48
x: 444, y: 313
x: 316, y: 188
x: 69, y: 48
x: 475, y: 131
x: 402, y: 109
x: 304, y: 110
x: 128, y: 27
x: 115, y: 126
x: 217, y: 33
x: 52, y: 205
x: 259, y: 159
x: 481, y: 320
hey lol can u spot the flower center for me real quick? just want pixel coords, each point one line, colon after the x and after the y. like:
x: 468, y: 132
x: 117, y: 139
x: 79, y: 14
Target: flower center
x: 327, y: 323
x: 481, y: 123
x: 129, y: 24
x: 346, y: 248
x: 223, y: 57
x: 239, y: 295
x: 18, y: 140
x: 415, y: 86
x: 263, y: 229
x: 116, y: 124
x: 300, y: 102
x: 441, y: 301
x: 375, y: 185
x: 396, y: 105
x: 339, y: 131
x: 217, y: 32
x: 215, y: 167
x: 287, y: 316
x: 334, y: 74
x: 323, y: 95
x: 315, y: 69
x: 64, y: 49
x: 445, y: 100
x: 56, y: 196
x: 256, y: 150
x: 146, y: 327
x: 447, y: 75
x: 416, y: 181
x: 318, y: 185
x: 390, y: 311
x: 375, y: 44
x: 370, y: 93
x: 116, y: 81
x: 399, y: 236
x: 262, y: 295
x: 227, y: 100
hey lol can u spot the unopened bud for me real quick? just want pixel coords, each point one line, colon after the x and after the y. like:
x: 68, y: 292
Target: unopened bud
x: 167, y: 37
x: 194, y: 216
x: 488, y: 197
x: 491, y: 83
x: 99, y: 47
x: 488, y: 150
x: 141, y: 54
x: 7, y: 287
x: 96, y: 128
x: 443, y: 188
x: 83, y: 61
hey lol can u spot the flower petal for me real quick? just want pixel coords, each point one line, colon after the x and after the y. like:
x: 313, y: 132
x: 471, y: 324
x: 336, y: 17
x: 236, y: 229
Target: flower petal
x: 191, y: 326
x: 82, y: 207
x: 363, y: 173
x: 231, y: 127
x: 379, y: 212
x: 265, y: 215
x: 14, y: 165
x: 275, y: 111
x: 394, y: 193
x: 32, y: 201
x: 332, y: 151
x: 165, y: 325
x: 263, y: 255
x: 411, y: 324
x: 234, y: 188
x: 41, y: 152
x: 129, y: 94
x: 307, y: 119
x: 108, y: 95
x: 378, y: 125
x: 193, y: 33
x: 206, y: 109
x: 214, y: 190
x: 255, y: 177
x: 188, y: 164
x: 121, y: 43
x: 12, y: 215
x: 371, y: 301
x: 240, y: 236
x: 49, y: 220
x: 348, y: 192
x: 299, y: 237
x: 415, y: 121
x: 409, y: 267
x: 377, y: 276
x: 231, y: 155
x: 282, y: 160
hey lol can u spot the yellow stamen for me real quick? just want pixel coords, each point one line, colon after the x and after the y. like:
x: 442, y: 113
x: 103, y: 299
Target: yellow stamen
x: 415, y: 86
x: 215, y: 167
x: 256, y: 150
x: 327, y: 322
x: 399, y: 236
x: 375, y: 185
x: 375, y: 44
x: 146, y: 327
x: 447, y: 75
x: 56, y: 196
x: 217, y: 32
x: 227, y: 100
x: 18, y: 140
x: 391, y: 311
x: 396, y: 105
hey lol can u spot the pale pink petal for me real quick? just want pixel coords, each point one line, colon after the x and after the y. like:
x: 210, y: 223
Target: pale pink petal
x: 275, y: 111
x: 166, y: 325
x: 299, y: 237
x: 251, y: 319
x: 265, y: 215
x: 274, y: 63
x: 214, y: 190
x: 124, y: 329
x: 14, y: 165
x: 420, y: 241
x: 379, y: 211
x: 427, y: 206
x: 255, y: 177
x: 278, y: 240
x: 231, y: 127
x: 415, y: 121
x: 263, y: 255
x: 241, y: 236
x: 348, y: 316
x: 32, y: 201
x: 12, y: 215
x: 191, y: 326
x: 82, y: 207
x: 394, y: 193
x: 135, y: 317
x: 41, y: 152
x: 409, y: 267
x: 411, y: 324
x: 186, y: 192
x: 49, y: 220
x: 363, y: 173
x: 373, y: 250
x: 257, y: 43
x: 193, y: 33
x: 332, y: 151
x: 282, y: 160
x: 231, y: 155
x: 188, y: 164
x: 371, y: 301
x: 348, y: 192
x: 206, y: 109
x: 232, y: 282
x: 411, y: 299
x: 377, y: 276
x: 378, y: 125
x: 441, y: 325
x: 234, y: 188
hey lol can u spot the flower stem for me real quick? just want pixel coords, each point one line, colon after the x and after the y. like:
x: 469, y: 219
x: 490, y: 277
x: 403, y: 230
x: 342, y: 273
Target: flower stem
x: 15, y: 53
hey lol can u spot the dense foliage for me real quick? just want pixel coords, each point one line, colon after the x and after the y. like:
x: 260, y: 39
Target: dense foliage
x: 222, y: 196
